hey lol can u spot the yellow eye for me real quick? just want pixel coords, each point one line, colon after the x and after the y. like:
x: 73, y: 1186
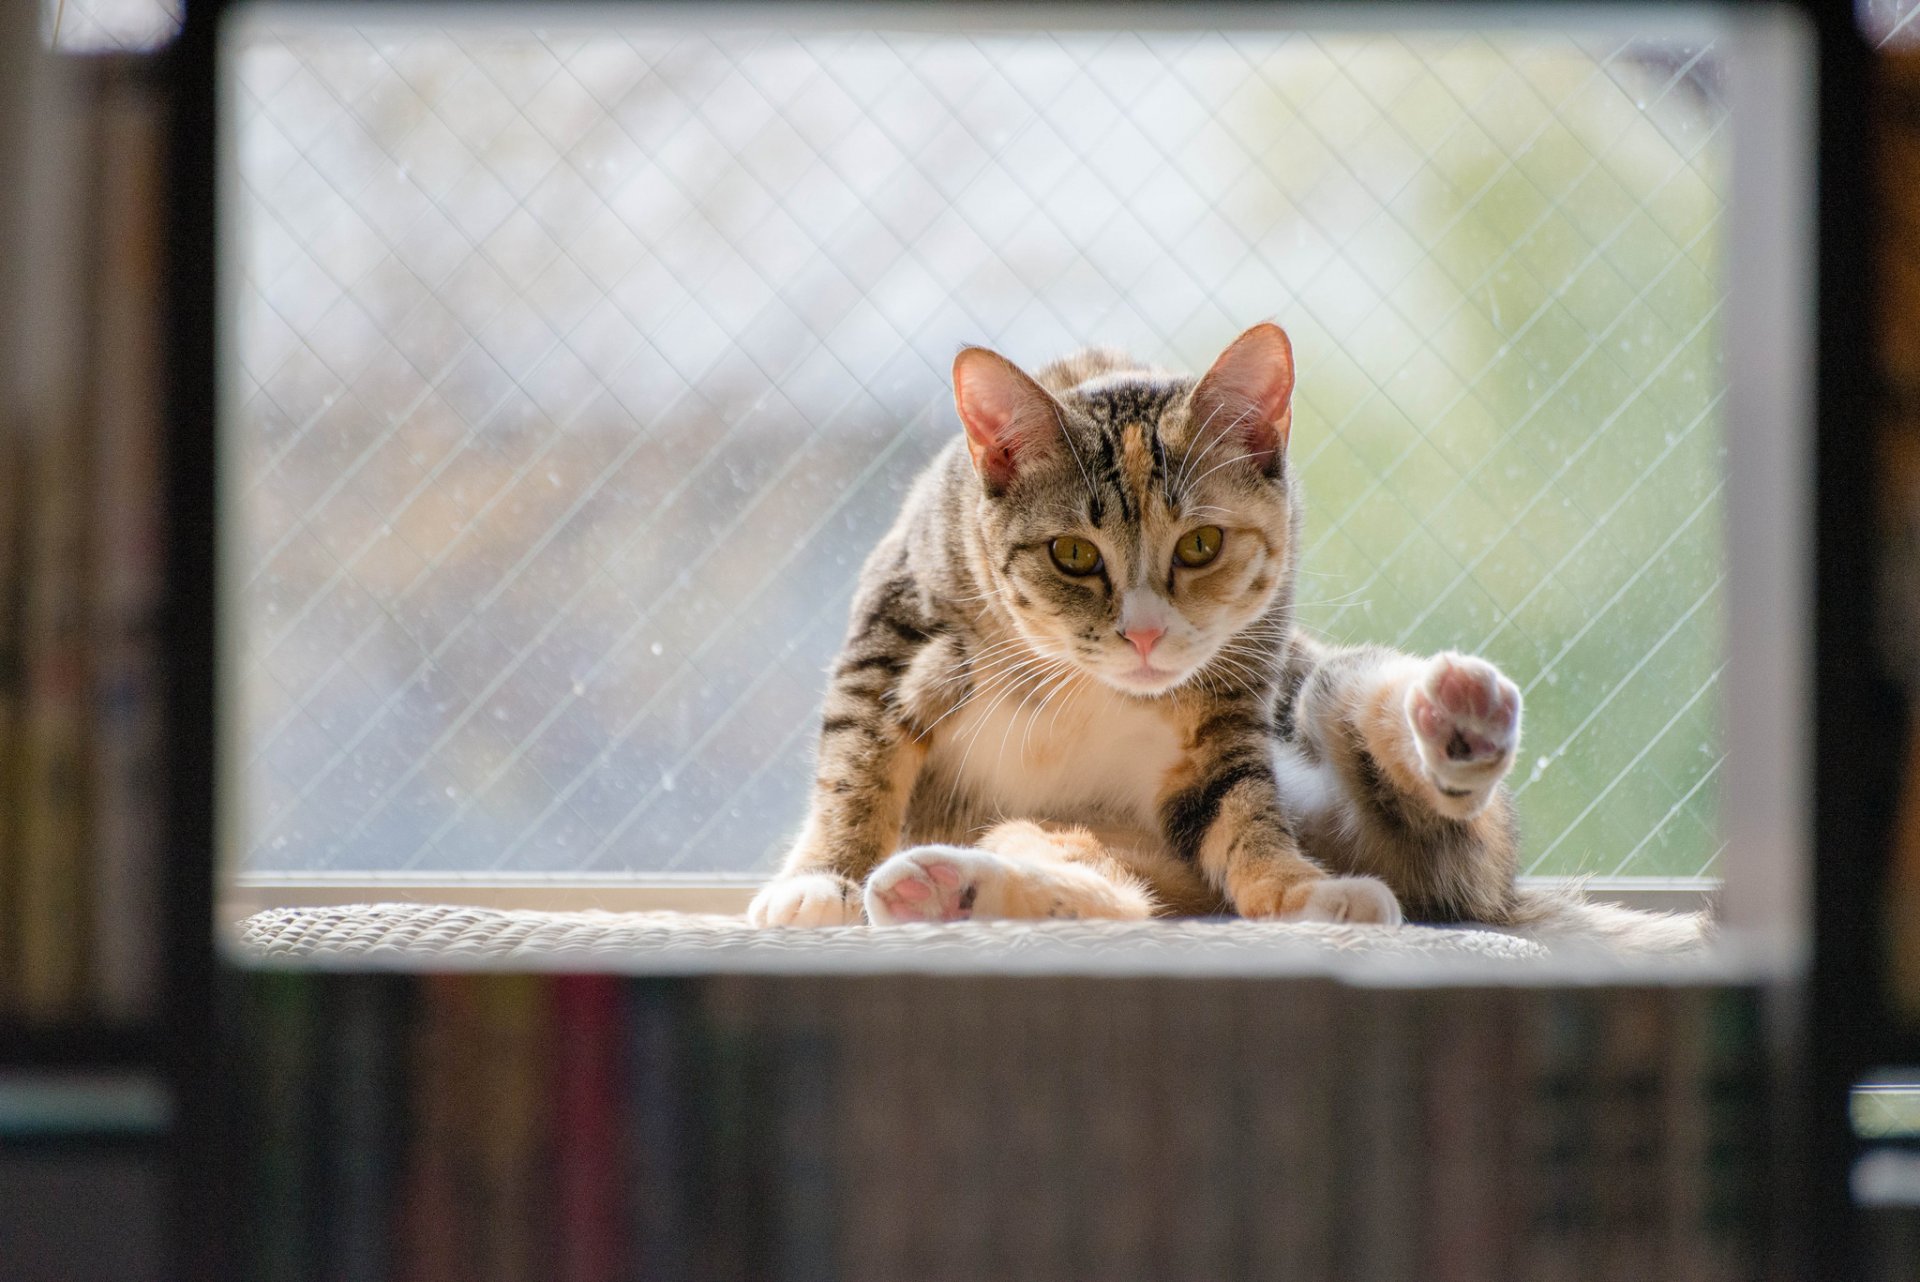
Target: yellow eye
x: 1197, y: 547
x: 1075, y: 556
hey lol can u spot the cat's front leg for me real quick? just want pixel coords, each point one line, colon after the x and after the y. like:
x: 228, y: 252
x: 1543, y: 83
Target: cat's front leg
x: 869, y: 756
x: 806, y: 899
x: 854, y: 823
x: 1222, y: 812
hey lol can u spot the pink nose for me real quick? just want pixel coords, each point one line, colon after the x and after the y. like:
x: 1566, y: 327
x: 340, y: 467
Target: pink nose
x: 1143, y: 639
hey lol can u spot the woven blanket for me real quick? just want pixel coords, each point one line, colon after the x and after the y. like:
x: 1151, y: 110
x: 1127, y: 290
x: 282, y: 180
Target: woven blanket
x: 442, y: 936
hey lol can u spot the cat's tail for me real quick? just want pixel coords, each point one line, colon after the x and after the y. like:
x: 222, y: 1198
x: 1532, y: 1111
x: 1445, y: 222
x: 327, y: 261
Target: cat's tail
x: 1567, y: 914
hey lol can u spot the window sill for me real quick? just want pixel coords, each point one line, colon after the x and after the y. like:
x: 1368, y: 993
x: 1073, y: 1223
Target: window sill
x: 246, y: 895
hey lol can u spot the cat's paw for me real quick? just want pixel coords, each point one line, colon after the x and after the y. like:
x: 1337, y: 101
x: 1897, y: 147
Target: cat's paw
x: 1358, y: 900
x: 1465, y: 718
x: 1274, y: 897
x: 934, y: 883
x: 806, y: 899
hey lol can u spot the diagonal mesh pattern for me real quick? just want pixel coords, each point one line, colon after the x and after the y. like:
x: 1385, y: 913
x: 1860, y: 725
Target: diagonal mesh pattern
x: 97, y: 26
x: 1889, y: 24
x: 1884, y: 1111
x: 578, y: 371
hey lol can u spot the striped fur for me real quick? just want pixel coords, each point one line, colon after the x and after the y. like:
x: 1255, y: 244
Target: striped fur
x: 993, y: 745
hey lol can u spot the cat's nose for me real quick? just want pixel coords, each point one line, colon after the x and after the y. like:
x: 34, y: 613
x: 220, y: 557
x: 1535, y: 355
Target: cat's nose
x: 1143, y: 639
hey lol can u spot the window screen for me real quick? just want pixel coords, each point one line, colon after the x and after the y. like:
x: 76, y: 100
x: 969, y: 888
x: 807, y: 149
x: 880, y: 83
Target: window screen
x: 575, y: 371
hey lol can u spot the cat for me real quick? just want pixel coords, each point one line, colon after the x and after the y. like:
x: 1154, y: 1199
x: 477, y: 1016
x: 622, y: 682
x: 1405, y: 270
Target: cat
x: 1073, y: 687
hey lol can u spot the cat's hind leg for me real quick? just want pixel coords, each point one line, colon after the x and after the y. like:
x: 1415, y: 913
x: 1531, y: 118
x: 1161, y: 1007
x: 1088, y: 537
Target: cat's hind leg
x: 1463, y: 717
x: 1396, y: 772
x: 1438, y: 735
x: 1019, y: 871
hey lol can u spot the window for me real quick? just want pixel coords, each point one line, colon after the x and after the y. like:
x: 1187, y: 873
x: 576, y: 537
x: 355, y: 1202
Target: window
x: 575, y: 370
x: 97, y: 26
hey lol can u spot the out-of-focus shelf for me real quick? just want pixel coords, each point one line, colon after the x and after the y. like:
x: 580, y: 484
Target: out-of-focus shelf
x: 90, y: 1104
x: 79, y: 1046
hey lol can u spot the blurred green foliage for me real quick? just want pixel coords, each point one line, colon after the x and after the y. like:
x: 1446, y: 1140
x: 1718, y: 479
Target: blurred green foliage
x: 1518, y: 451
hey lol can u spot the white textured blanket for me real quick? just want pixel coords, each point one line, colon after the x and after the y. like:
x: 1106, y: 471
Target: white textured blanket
x: 437, y: 936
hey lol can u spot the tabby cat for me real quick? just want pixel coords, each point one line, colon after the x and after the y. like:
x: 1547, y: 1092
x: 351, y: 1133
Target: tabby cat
x: 1073, y: 686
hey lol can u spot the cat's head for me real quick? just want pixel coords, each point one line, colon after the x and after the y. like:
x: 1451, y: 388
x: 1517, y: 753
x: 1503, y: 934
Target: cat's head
x: 1135, y: 522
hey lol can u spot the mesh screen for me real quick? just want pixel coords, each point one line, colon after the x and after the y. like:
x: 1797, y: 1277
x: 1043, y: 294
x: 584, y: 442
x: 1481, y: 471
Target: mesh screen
x: 1889, y: 24
x: 578, y: 371
x: 97, y: 26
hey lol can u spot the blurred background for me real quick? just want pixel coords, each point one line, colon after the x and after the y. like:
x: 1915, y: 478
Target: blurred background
x: 110, y: 26
x: 578, y: 370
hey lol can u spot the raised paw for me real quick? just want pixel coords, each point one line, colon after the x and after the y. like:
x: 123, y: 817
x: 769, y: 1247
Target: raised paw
x: 934, y: 883
x: 1465, y: 718
x: 806, y: 899
x: 1359, y: 900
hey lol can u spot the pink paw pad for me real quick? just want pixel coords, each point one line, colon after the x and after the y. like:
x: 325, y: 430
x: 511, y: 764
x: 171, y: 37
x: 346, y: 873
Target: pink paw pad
x: 1465, y: 711
x: 922, y: 886
x: 912, y: 892
x: 1460, y: 743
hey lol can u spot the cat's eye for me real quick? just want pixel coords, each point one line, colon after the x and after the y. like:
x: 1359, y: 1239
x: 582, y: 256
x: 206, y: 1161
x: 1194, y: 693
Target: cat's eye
x: 1074, y: 555
x: 1199, y: 546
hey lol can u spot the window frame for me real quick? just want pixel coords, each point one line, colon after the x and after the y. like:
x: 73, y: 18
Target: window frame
x: 1766, y: 798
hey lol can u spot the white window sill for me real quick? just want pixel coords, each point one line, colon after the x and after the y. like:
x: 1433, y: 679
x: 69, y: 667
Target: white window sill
x: 560, y: 892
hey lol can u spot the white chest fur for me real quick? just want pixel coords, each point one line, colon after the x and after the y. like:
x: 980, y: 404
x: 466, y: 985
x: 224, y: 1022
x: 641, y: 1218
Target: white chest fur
x: 1085, y: 754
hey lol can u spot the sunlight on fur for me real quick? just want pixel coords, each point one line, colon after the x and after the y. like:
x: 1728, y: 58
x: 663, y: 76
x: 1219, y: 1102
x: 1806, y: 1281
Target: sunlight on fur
x: 1073, y: 687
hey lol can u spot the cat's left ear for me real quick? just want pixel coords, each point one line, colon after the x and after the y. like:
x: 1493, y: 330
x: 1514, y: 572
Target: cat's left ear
x: 1010, y: 419
x: 1249, y: 394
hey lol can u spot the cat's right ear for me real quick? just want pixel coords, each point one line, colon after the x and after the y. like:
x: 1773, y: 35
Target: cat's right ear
x: 1010, y: 419
x: 1249, y: 392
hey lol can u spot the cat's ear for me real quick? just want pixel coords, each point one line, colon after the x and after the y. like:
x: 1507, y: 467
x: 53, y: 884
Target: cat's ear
x: 1248, y: 396
x: 1009, y: 418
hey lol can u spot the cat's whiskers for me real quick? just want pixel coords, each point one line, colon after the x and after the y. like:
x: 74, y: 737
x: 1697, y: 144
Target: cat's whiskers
x: 1187, y: 480
x: 1013, y: 670
x: 1251, y: 666
x: 975, y: 672
x: 1007, y: 667
x: 1092, y: 493
x: 1265, y: 645
x: 1266, y: 633
x: 1224, y: 463
x: 1111, y: 695
x: 1204, y: 509
x: 1013, y: 646
x: 1011, y: 641
x: 1344, y: 600
x: 1255, y: 636
x: 1035, y: 668
x: 983, y: 680
x: 989, y: 595
x: 1267, y: 630
x: 1227, y: 433
x: 1062, y: 683
x: 1001, y: 648
x: 1200, y: 439
x: 1052, y: 664
x: 1188, y: 463
x: 1249, y: 676
x: 1251, y: 653
x: 1032, y: 709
